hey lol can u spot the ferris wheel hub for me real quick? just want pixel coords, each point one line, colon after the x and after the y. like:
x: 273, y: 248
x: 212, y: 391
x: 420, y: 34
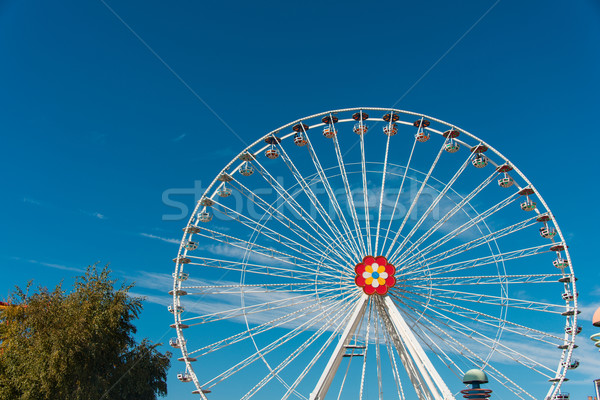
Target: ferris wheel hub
x: 375, y: 275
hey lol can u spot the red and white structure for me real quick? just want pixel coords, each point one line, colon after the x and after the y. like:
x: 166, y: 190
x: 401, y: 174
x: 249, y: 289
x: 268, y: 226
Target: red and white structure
x: 373, y: 252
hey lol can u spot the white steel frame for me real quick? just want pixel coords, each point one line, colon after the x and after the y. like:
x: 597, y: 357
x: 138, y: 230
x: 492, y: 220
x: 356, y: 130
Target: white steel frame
x: 426, y: 308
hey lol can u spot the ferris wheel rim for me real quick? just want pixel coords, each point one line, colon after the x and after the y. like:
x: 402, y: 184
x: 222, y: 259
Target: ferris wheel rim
x: 182, y: 251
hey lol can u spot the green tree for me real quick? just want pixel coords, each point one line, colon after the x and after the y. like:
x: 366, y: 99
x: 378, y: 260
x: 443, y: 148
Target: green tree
x: 78, y: 345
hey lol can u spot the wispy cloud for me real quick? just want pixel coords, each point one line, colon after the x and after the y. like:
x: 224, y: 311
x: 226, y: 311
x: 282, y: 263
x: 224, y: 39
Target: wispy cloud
x: 164, y: 239
x: 29, y: 200
x: 47, y: 264
x: 98, y: 215
x: 180, y: 137
x: 94, y: 214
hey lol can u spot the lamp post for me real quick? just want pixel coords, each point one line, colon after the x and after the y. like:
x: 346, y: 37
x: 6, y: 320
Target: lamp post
x: 596, y: 339
x: 475, y: 377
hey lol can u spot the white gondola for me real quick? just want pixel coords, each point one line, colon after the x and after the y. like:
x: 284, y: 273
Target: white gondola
x: 299, y: 140
x: 204, y: 216
x: 569, y: 330
x: 329, y: 132
x: 506, y: 181
x: 562, y: 396
x: 568, y: 296
x: 422, y: 136
x: 480, y: 161
x: 272, y: 153
x: 181, y: 276
x: 191, y: 229
x: 547, y: 232
x: 560, y: 263
x: 175, y: 309
x: 184, y: 377
x: 528, y: 205
x: 191, y: 245
x: 176, y: 343
x: 451, y: 147
x: 224, y: 191
x: 360, y: 129
x: 572, y: 365
x: 246, y: 169
x: 390, y: 129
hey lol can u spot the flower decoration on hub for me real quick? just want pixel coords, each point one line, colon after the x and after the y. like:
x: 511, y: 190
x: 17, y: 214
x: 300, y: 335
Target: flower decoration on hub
x: 375, y: 275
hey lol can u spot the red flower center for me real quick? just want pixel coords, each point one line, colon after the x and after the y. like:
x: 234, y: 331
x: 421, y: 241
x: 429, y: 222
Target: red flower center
x: 375, y: 275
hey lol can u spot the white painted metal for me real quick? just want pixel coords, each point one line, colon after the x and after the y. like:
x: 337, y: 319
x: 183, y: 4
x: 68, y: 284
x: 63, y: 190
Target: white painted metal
x: 301, y: 261
x: 333, y: 364
x: 420, y: 359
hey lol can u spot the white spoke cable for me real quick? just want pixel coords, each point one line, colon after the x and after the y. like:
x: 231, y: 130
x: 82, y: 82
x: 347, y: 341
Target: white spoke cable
x: 483, y: 318
x: 253, y: 309
x: 365, y: 187
x: 480, y: 261
x: 295, y: 354
x: 323, y: 317
x: 514, y: 388
x: 394, y: 366
x: 258, y: 329
x: 412, y: 206
x: 276, y: 215
x: 483, y: 280
x: 387, y: 233
x: 316, y: 357
x: 205, y: 290
x: 491, y: 299
x: 332, y: 197
x: 286, y: 221
x: 461, y: 229
x: 348, y: 190
x: 475, y: 243
x: 435, y: 202
x: 385, y: 163
x: 259, y: 269
x: 495, y: 346
x: 458, y: 207
x: 327, y: 220
x: 262, y: 251
x: 291, y: 200
x: 364, y: 366
x: 276, y: 237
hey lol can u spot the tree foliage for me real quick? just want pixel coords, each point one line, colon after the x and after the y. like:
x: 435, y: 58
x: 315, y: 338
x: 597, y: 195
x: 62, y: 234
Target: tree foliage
x: 78, y: 345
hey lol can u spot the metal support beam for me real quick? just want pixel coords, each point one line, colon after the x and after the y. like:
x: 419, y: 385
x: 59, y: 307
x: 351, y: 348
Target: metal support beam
x: 420, y: 360
x: 336, y: 358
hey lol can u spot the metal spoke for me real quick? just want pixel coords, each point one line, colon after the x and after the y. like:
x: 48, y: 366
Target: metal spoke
x: 365, y: 187
x: 479, y: 241
x: 332, y: 197
x: 313, y: 198
x: 434, y: 204
x: 387, y: 233
x: 412, y: 206
x: 484, y: 318
x: 348, y: 190
x: 458, y: 207
x: 457, y: 231
x: 477, y: 262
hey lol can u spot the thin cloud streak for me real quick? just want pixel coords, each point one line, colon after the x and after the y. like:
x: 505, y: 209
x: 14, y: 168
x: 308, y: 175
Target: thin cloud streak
x: 46, y: 264
x: 164, y: 239
x: 180, y: 137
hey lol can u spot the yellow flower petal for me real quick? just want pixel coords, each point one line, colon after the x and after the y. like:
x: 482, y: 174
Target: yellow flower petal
x: 381, y: 281
x: 368, y: 268
x: 369, y: 280
x: 381, y: 269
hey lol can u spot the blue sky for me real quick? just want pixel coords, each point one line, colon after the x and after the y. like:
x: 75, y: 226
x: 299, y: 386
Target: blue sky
x: 98, y: 123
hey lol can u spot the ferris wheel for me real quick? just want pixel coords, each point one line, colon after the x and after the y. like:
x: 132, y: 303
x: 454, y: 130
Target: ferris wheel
x: 367, y: 253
